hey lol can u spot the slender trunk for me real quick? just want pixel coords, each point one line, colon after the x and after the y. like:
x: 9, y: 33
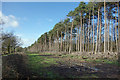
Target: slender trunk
x: 116, y: 29
x: 57, y: 42
x: 65, y: 39
x: 36, y: 47
x: 50, y: 43
x: 111, y: 35
x: 86, y: 41
x: 105, y: 27
x: 45, y: 44
x: 55, y: 48
x: 61, y: 41
x: 67, y: 43
x: 88, y: 32
x: 91, y: 32
x: 100, y: 36
x: 96, y: 49
x: 93, y: 29
x: 91, y: 38
x: 41, y: 46
x: 81, y: 35
x: 78, y: 39
x: 70, y: 49
x: 108, y: 36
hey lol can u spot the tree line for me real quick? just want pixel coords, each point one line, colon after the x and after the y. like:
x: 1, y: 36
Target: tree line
x: 90, y: 27
x: 10, y: 43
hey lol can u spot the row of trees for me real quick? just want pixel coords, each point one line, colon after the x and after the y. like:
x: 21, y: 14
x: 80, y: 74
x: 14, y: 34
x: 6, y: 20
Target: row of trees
x: 91, y: 27
x: 10, y: 43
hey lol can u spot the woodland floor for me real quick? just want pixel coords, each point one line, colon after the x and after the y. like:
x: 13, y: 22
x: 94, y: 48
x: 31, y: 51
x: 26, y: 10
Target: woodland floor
x: 60, y: 66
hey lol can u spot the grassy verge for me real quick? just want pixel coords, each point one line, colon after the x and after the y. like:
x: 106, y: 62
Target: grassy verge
x: 114, y: 62
x: 107, y: 61
x: 38, y: 64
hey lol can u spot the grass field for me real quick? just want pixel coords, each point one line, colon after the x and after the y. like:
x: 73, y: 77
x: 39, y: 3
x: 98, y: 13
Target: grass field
x: 48, y: 65
x: 40, y: 63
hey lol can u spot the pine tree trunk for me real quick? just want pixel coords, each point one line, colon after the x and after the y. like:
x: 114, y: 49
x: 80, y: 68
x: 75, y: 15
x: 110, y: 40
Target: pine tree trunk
x: 57, y: 42
x: 42, y: 46
x: 70, y: 49
x: 67, y: 43
x: 88, y: 33
x: 116, y: 29
x: 65, y: 40
x: 96, y: 49
x: 105, y: 27
x: 108, y: 36
x: 55, y: 47
x: 76, y: 40
x: 78, y: 48
x: 61, y: 40
x: 45, y: 44
x: 81, y: 35
x: 86, y: 47
x: 111, y: 35
x: 50, y: 43
x: 91, y: 39
x: 100, y: 36
x: 93, y: 29
x: 86, y: 39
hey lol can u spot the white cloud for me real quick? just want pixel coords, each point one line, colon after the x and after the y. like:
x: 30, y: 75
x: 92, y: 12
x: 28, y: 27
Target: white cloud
x: 14, y: 23
x: 19, y: 35
x: 10, y: 20
x: 27, y: 42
